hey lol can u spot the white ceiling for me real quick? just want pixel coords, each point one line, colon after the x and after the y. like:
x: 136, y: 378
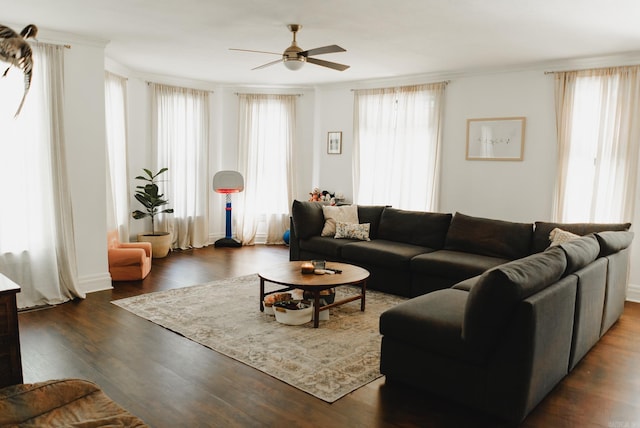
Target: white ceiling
x: 383, y: 38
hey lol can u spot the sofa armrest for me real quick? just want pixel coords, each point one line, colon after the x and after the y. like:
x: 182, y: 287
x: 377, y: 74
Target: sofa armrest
x: 294, y: 242
x: 126, y: 256
x: 533, y: 355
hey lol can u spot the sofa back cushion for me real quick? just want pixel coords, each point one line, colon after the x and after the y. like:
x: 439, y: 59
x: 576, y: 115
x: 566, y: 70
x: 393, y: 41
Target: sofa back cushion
x: 488, y: 237
x: 580, y: 252
x: 371, y: 214
x: 543, y: 229
x: 334, y: 214
x: 308, y: 219
x: 420, y: 228
x: 494, y: 297
x: 612, y: 242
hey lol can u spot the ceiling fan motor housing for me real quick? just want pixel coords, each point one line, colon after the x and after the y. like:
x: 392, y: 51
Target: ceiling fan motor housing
x: 291, y: 56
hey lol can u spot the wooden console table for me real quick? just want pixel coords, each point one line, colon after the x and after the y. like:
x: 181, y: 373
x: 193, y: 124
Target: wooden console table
x: 10, y: 360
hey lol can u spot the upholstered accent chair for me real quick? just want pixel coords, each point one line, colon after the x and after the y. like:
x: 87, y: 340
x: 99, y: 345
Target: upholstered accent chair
x: 128, y: 261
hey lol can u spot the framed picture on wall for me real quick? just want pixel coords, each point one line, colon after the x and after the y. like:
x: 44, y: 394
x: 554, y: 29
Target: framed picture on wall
x: 500, y: 138
x: 334, y: 142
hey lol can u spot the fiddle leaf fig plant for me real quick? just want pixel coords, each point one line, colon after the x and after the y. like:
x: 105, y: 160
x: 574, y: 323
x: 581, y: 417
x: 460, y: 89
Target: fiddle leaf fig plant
x: 148, y: 195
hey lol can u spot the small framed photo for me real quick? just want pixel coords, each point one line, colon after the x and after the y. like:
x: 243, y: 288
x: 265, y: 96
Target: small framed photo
x: 334, y: 142
x: 500, y: 138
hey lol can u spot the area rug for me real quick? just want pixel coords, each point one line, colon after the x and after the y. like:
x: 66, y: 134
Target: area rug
x: 328, y: 362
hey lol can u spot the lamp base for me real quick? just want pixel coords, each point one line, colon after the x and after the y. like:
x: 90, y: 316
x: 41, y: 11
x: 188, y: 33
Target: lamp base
x: 227, y: 242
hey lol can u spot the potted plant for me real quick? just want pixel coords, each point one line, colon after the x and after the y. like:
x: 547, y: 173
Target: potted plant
x: 148, y: 195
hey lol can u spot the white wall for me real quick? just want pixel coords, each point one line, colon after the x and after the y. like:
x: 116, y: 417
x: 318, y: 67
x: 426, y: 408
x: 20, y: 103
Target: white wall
x: 508, y: 190
x: 332, y: 172
x: 86, y: 160
x: 519, y: 191
x: 223, y: 150
x: 515, y: 191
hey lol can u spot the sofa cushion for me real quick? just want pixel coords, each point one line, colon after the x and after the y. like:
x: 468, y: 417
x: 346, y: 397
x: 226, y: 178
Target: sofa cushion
x: 453, y: 264
x: 308, y: 219
x: 371, y: 214
x: 424, y: 229
x: 559, y: 236
x: 467, y: 284
x: 352, y: 231
x: 331, y: 248
x: 432, y: 321
x: 333, y: 214
x: 580, y: 252
x: 493, y: 298
x: 495, y: 238
x: 612, y: 242
x: 382, y: 253
x: 543, y: 229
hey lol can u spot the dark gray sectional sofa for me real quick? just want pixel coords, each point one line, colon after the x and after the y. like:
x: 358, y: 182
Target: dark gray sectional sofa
x: 497, y: 318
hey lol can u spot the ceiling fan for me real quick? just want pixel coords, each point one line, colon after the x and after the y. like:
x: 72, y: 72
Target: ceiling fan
x: 294, y: 57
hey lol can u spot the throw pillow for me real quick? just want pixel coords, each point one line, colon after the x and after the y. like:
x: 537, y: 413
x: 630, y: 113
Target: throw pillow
x: 559, y: 236
x: 352, y: 231
x: 333, y: 214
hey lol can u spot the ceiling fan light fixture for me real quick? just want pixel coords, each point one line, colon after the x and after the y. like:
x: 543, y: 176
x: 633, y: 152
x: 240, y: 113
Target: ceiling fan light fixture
x: 294, y: 64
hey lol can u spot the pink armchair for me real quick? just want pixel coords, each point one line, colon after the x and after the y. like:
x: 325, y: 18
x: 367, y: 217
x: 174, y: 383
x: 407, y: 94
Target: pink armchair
x: 128, y: 261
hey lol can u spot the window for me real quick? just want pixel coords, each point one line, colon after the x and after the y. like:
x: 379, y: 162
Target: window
x: 181, y: 137
x: 37, y: 249
x: 397, y: 145
x: 598, y: 137
x: 117, y: 176
x: 265, y: 161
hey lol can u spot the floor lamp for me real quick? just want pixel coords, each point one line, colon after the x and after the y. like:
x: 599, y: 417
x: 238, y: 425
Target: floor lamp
x: 228, y: 182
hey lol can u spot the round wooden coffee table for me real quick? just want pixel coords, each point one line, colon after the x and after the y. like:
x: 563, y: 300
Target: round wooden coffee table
x: 290, y: 275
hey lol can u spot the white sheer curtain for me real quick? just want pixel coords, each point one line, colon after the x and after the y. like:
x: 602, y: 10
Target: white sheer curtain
x: 266, y: 134
x: 397, y: 137
x: 180, y: 124
x: 37, y: 248
x: 598, y: 125
x: 117, y: 171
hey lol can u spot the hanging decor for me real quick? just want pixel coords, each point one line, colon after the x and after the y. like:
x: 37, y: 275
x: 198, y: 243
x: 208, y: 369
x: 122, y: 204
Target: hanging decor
x: 15, y: 50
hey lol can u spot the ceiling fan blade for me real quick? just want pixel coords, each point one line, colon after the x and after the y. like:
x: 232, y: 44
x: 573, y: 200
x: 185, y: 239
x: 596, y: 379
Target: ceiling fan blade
x: 267, y: 64
x: 334, y: 65
x: 249, y: 50
x: 322, y: 50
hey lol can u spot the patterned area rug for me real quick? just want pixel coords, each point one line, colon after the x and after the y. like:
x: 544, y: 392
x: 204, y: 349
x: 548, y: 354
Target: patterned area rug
x: 340, y: 356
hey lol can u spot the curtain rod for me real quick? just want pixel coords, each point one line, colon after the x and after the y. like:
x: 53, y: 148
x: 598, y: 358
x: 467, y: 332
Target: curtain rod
x: 66, y: 46
x: 178, y: 87
x: 591, y: 68
x: 446, y: 82
x: 253, y: 93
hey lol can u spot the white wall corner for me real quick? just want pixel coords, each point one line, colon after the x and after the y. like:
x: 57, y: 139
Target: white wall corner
x: 93, y: 283
x: 633, y: 293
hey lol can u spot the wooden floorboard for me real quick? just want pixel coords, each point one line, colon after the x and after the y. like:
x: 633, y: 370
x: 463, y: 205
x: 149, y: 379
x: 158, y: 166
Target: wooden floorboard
x: 170, y: 381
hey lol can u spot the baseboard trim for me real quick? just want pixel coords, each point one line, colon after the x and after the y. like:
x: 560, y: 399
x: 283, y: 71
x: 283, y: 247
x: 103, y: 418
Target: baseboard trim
x: 633, y: 293
x: 93, y: 283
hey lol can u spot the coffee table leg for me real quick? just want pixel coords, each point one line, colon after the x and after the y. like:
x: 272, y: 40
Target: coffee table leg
x: 261, y: 294
x: 316, y: 309
x: 364, y: 291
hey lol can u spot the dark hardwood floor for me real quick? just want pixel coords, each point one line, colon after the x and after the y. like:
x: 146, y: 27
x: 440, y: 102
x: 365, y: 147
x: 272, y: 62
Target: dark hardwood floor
x: 170, y: 381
